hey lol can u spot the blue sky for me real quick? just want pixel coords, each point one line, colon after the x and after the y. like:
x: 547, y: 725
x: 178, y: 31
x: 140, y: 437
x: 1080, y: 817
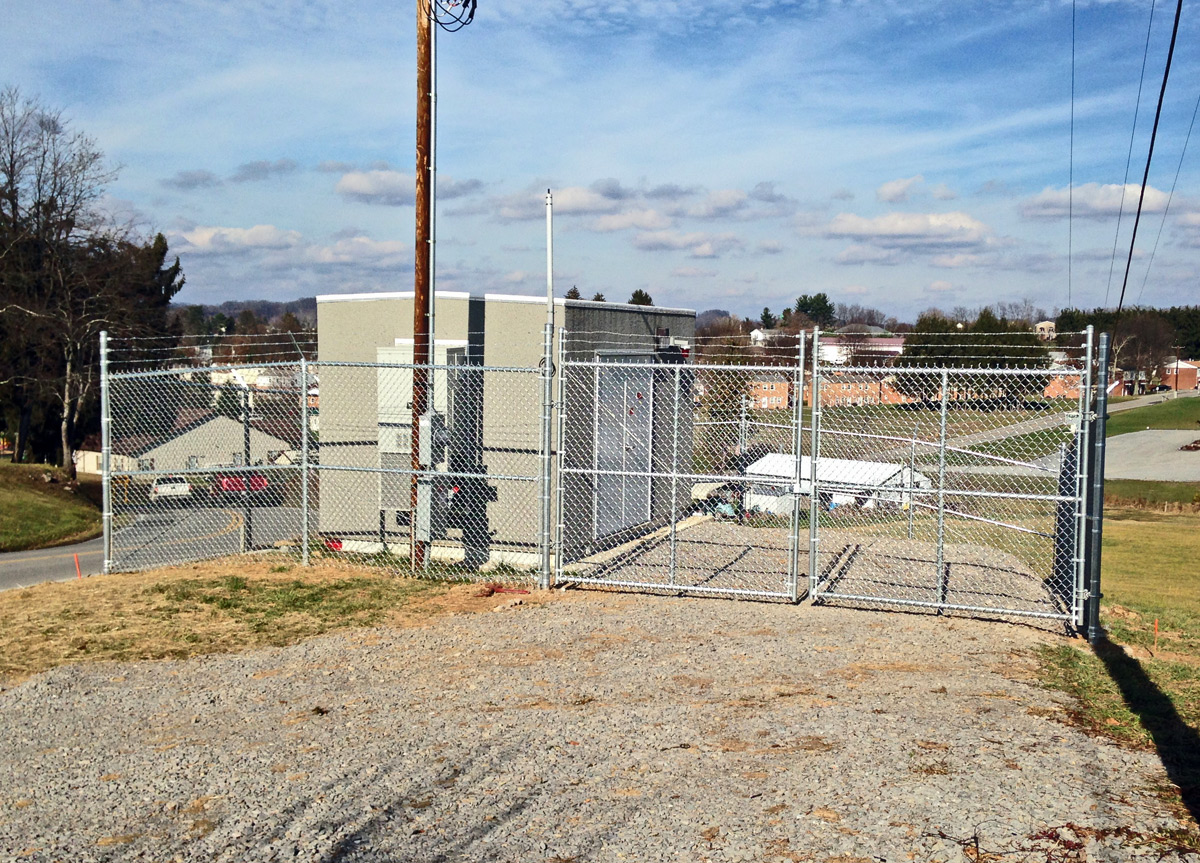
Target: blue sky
x: 715, y: 154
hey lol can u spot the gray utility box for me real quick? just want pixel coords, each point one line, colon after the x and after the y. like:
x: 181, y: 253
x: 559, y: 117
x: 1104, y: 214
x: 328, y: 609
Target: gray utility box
x: 491, y: 417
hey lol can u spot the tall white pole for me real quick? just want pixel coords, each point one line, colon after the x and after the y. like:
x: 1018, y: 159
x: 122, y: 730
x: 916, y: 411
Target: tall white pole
x: 549, y: 259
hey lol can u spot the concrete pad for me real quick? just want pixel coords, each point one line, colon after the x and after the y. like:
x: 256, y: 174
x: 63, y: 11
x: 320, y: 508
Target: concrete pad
x: 1152, y: 454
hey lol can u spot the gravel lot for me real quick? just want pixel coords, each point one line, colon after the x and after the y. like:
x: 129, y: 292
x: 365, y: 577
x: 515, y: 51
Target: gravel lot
x: 593, y: 726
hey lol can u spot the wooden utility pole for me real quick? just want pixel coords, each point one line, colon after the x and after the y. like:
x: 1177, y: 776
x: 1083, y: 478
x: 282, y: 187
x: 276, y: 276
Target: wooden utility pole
x: 421, y: 273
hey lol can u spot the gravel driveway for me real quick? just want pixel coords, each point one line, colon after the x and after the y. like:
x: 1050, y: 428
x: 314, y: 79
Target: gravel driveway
x: 594, y: 726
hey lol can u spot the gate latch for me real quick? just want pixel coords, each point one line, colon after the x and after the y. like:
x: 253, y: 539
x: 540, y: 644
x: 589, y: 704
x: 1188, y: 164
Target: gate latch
x: 1088, y: 416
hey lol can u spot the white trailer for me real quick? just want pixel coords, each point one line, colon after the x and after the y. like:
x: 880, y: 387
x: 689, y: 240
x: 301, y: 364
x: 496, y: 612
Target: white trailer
x: 840, y: 482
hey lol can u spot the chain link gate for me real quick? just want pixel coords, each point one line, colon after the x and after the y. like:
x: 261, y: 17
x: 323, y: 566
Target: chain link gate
x: 939, y: 483
x: 954, y: 487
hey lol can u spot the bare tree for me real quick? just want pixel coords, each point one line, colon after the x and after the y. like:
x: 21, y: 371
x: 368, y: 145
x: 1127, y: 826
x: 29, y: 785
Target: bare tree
x: 1142, y: 342
x: 66, y: 271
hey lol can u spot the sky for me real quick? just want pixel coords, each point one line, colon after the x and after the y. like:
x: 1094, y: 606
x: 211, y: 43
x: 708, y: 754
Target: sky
x: 900, y: 155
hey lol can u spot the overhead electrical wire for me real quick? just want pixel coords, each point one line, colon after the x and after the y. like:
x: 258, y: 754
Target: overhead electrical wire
x: 1129, y: 156
x: 1150, y: 154
x: 1170, y: 197
x: 1071, y: 168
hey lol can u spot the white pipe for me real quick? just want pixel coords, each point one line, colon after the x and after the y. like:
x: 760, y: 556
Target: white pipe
x: 549, y: 258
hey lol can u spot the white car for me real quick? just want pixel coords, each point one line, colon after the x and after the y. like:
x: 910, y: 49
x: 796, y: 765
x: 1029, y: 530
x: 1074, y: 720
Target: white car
x: 170, y: 487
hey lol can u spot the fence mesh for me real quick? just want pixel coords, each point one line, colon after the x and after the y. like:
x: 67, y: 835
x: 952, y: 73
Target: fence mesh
x: 862, y: 472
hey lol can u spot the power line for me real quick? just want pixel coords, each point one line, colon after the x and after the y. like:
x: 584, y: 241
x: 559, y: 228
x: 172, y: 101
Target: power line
x: 1170, y: 197
x: 1150, y: 154
x: 1071, y: 168
x: 1129, y: 156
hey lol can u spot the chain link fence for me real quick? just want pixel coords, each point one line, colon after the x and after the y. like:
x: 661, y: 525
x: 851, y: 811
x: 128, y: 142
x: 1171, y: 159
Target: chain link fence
x: 932, y: 478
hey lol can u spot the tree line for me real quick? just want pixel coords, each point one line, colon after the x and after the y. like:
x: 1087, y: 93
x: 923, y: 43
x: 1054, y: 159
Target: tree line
x: 68, y: 270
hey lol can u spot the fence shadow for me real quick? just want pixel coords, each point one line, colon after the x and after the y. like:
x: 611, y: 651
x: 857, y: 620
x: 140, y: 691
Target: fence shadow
x: 1178, y: 744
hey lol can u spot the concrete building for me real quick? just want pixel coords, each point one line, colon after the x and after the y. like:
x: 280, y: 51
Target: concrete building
x: 614, y: 422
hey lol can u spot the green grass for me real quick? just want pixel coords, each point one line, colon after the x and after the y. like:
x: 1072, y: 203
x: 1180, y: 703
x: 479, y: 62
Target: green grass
x: 1173, y: 414
x: 37, y: 514
x: 1147, y: 696
x: 1138, y: 492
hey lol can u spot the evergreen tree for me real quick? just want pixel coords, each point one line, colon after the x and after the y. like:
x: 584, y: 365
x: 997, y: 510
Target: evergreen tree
x: 640, y: 298
x: 817, y: 308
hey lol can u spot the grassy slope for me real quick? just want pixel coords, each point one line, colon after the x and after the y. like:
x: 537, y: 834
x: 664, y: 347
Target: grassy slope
x: 1173, y: 414
x: 37, y: 514
x: 1147, y: 695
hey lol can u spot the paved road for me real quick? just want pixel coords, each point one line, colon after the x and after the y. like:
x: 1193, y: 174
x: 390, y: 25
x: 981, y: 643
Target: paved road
x: 23, y: 568
x: 158, y: 538
x: 1153, y: 455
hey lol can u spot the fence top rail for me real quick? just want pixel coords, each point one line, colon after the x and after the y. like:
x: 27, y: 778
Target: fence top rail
x: 317, y: 364
x: 782, y: 370
x: 187, y: 370
x: 954, y: 370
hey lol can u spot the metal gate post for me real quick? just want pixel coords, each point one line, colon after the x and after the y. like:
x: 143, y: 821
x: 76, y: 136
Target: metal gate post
x: 560, y: 456
x: 105, y: 452
x: 742, y: 431
x: 1082, y: 487
x: 1096, y: 515
x: 912, y: 482
x: 547, y: 441
x: 304, y: 525
x: 813, y: 494
x: 674, y: 472
x: 797, y: 450
x: 942, y: 580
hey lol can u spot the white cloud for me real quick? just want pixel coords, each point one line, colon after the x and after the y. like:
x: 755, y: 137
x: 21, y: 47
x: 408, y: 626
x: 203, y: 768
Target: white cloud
x: 769, y: 247
x: 718, y: 204
x: 856, y: 290
x: 940, y: 287
x: 568, y: 201
x: 362, y: 251
x: 698, y: 244
x: 1189, y: 227
x: 693, y: 273
x: 859, y: 254
x: 1092, y: 201
x: 942, y: 192
x: 646, y: 220
x: 380, y: 186
x: 914, y: 232
x: 213, y: 240
x: 896, y: 191
x: 956, y: 261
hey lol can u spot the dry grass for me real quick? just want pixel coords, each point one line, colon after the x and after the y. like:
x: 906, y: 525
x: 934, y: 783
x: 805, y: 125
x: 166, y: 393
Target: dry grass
x: 213, y: 607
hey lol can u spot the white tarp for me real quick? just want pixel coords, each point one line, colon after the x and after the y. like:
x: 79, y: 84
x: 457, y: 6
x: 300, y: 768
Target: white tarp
x: 844, y: 481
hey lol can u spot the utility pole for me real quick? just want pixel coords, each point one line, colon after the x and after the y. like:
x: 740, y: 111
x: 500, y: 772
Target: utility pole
x: 421, y: 268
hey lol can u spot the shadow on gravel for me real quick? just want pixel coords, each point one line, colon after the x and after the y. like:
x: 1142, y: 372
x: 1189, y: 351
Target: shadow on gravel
x: 1178, y: 744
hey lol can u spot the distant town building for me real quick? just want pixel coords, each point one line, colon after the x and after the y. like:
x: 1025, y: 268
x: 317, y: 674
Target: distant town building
x: 1181, y: 374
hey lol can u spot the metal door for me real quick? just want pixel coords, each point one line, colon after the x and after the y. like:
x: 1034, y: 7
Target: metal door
x: 621, y: 431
